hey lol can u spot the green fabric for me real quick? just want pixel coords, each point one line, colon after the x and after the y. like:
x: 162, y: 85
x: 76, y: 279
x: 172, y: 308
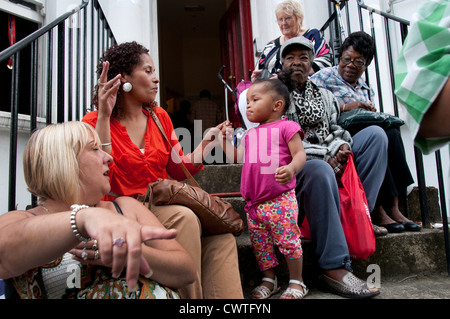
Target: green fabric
x: 423, y: 67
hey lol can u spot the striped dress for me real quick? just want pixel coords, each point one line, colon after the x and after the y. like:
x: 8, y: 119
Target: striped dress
x: 270, y: 57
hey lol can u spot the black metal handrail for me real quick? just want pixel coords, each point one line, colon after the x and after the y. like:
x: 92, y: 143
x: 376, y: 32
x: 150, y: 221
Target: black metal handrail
x: 403, y: 24
x: 5, y: 54
x: 65, y: 54
x: 389, y: 16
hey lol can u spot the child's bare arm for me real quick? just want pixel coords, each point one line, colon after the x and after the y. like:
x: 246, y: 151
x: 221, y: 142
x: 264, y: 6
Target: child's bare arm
x: 284, y: 174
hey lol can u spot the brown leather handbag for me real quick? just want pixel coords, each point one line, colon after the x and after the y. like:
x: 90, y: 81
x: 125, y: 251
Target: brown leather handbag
x: 216, y: 215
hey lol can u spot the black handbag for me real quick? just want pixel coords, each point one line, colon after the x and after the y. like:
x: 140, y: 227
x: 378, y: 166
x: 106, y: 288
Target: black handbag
x: 355, y: 120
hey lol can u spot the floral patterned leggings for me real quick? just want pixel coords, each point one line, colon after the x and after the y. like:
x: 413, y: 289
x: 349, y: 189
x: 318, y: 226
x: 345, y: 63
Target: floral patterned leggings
x: 275, y: 223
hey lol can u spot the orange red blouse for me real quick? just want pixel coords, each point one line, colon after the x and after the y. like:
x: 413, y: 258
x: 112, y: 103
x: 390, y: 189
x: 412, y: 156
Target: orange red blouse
x: 132, y: 170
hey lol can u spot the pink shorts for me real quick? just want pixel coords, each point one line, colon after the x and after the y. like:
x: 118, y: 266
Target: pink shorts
x: 275, y: 223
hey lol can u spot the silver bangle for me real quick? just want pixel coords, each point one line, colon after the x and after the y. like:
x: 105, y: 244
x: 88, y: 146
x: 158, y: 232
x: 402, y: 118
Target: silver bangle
x: 75, y: 210
x: 337, y: 168
x: 106, y: 144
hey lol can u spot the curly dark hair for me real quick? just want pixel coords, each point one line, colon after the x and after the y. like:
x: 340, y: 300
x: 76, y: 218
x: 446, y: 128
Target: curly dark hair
x: 361, y: 42
x: 122, y: 58
x: 279, y: 88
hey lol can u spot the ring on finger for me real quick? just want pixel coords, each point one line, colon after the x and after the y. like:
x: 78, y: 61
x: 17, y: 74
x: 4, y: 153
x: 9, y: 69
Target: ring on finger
x: 84, y: 254
x: 94, y: 245
x: 100, y: 83
x: 119, y: 242
x: 96, y: 254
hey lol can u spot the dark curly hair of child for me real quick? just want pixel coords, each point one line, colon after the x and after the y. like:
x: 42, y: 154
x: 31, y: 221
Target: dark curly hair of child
x: 279, y: 88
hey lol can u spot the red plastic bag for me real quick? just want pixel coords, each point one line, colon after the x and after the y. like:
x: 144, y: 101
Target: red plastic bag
x: 305, y: 233
x: 355, y: 215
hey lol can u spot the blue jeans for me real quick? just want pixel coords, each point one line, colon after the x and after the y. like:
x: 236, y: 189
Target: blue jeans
x: 318, y: 195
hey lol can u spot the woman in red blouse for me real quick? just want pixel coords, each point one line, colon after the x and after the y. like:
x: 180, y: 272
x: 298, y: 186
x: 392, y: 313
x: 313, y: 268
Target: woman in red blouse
x: 127, y: 87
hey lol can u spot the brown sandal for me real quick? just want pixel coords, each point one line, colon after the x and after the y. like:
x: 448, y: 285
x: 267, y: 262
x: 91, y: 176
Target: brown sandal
x: 350, y: 287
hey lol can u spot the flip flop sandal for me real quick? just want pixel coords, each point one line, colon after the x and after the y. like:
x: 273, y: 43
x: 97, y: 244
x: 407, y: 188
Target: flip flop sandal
x: 264, y: 291
x: 296, y: 293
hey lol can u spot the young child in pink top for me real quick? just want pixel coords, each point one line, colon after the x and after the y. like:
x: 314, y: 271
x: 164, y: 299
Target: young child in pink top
x: 272, y: 154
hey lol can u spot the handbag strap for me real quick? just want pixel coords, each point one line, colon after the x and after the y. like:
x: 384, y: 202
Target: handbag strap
x: 183, y: 167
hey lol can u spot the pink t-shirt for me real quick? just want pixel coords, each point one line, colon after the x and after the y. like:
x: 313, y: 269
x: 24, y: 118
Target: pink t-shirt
x: 266, y: 149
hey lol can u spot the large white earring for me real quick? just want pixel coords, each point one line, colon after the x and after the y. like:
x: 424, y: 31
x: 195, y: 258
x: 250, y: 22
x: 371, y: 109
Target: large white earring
x: 127, y: 87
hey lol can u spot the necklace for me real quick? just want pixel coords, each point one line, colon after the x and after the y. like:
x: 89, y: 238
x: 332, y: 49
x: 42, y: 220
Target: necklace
x: 42, y: 205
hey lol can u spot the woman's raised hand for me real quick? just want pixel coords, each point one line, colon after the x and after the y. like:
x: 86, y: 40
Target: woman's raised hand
x: 107, y: 91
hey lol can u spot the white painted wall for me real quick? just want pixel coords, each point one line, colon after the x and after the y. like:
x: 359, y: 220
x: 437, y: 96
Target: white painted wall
x: 134, y: 20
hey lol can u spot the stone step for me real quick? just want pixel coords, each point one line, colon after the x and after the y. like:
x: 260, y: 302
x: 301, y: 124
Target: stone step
x: 224, y: 178
x: 397, y: 256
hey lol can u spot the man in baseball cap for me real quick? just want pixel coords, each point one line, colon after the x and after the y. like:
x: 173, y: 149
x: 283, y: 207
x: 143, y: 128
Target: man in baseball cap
x: 297, y: 42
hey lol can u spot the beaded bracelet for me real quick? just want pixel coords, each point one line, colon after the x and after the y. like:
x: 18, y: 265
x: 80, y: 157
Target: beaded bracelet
x: 75, y: 210
x: 73, y: 223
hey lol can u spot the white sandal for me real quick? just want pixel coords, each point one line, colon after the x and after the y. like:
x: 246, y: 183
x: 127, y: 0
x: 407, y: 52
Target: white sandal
x: 264, y: 291
x: 296, y: 293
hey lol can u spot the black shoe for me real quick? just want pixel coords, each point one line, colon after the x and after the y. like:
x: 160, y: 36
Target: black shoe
x: 411, y: 226
x: 394, y: 227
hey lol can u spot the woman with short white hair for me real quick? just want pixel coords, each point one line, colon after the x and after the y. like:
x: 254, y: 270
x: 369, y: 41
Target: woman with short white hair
x: 290, y: 15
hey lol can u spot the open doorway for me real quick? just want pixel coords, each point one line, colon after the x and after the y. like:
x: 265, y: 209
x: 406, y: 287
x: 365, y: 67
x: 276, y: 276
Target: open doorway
x: 190, y: 52
x: 192, y: 46
x: 22, y: 28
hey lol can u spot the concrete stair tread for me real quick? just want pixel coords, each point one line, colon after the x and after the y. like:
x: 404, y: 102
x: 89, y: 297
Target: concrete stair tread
x: 398, y: 255
x: 433, y: 285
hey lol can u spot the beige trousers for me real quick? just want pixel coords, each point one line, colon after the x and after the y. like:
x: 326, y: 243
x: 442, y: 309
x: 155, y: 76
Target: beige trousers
x: 216, y: 256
